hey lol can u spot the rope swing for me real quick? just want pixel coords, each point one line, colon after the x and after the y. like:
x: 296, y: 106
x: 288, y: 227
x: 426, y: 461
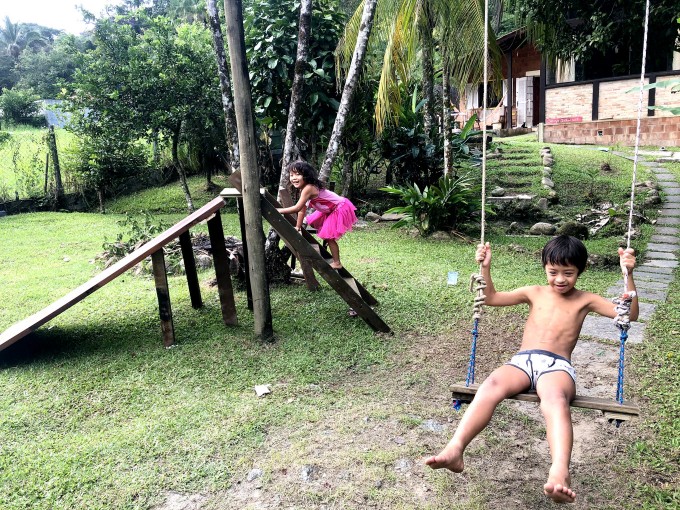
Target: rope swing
x: 477, y: 283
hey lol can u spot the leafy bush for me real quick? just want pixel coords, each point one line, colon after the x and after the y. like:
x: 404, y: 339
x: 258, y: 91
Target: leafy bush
x: 439, y: 206
x: 19, y: 106
x: 136, y: 233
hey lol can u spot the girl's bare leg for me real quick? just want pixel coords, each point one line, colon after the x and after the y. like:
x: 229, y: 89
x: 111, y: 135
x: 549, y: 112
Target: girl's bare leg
x: 556, y: 390
x: 335, y: 253
x: 503, y: 382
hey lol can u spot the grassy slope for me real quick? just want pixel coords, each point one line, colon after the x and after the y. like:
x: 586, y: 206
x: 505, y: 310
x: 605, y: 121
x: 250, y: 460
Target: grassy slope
x: 95, y: 414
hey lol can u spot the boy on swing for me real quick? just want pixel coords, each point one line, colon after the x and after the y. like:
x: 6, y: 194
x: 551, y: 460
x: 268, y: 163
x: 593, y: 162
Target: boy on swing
x: 556, y: 313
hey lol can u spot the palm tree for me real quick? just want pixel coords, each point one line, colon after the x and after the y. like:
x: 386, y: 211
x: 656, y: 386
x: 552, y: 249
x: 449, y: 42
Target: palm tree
x: 15, y: 39
x: 409, y: 30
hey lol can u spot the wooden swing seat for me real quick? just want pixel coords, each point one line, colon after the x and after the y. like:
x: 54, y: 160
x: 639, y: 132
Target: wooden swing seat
x: 611, y: 409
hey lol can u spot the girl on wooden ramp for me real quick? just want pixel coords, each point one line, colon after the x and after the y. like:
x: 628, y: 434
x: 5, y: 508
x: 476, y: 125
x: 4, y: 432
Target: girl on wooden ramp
x: 333, y: 215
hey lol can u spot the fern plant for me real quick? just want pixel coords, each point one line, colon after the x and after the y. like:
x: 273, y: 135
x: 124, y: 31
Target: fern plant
x: 438, y: 206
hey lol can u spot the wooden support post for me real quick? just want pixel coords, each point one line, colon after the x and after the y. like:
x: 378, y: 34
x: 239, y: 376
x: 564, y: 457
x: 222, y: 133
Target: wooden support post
x: 163, y: 293
x: 222, y: 273
x: 190, y: 269
x: 242, y: 224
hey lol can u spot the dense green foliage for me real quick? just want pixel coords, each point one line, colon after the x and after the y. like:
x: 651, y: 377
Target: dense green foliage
x: 439, y: 206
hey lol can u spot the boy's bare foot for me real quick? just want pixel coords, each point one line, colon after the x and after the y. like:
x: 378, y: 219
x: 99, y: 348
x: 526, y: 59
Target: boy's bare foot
x: 450, y: 458
x: 336, y: 265
x: 557, y: 489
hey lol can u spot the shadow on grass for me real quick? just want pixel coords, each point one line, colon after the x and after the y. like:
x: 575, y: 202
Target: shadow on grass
x: 135, y: 334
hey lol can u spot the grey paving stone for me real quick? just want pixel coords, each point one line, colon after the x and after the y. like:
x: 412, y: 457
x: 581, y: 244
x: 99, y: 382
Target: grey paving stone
x: 665, y: 176
x: 671, y: 231
x: 660, y: 238
x: 671, y: 190
x: 661, y: 255
x: 669, y: 211
x: 663, y: 246
x: 646, y: 266
x: 652, y: 285
x: 663, y: 263
x: 617, y: 288
x: 673, y: 199
x: 668, y: 184
x: 646, y: 311
x: 653, y: 295
x: 641, y: 275
x: 668, y: 220
x: 603, y: 327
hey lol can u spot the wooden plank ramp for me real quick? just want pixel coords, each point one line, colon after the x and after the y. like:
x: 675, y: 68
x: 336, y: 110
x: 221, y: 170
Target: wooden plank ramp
x: 611, y: 408
x: 30, y: 324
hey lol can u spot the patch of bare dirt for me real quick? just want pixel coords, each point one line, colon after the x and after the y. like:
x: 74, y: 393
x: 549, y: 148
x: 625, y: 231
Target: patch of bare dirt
x: 366, y: 451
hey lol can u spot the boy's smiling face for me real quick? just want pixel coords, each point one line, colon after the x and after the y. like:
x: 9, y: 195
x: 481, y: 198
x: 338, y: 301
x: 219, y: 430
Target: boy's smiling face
x: 561, y: 278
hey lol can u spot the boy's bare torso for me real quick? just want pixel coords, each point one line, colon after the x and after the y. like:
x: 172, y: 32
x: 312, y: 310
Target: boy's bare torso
x: 555, y: 320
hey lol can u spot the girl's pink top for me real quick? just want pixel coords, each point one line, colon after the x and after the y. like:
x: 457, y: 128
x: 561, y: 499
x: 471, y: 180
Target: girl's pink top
x: 326, y: 202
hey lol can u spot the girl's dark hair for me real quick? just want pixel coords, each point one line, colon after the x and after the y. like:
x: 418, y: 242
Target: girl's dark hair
x: 307, y: 172
x: 565, y: 250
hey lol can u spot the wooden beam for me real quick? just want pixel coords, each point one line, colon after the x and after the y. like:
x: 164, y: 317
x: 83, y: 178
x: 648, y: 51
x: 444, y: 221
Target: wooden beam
x: 627, y: 411
x: 160, y: 277
x: 190, y: 269
x: 222, y: 273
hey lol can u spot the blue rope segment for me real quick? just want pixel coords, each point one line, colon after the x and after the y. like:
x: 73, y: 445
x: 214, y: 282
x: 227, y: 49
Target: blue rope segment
x: 622, y: 321
x: 622, y: 352
x: 470, y: 379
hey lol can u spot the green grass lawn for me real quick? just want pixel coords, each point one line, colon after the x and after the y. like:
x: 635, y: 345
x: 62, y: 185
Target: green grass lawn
x: 95, y: 414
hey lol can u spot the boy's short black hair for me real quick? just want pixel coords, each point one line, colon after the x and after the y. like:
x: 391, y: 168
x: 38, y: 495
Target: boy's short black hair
x: 565, y: 250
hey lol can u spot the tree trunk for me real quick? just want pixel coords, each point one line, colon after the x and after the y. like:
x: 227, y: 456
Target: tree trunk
x: 425, y: 29
x: 250, y: 175
x: 225, y: 85
x: 59, y: 187
x: 180, y: 169
x: 446, y: 112
x: 348, y: 90
x: 296, y: 93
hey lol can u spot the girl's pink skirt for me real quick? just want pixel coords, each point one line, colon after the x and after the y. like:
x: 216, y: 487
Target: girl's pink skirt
x: 336, y: 223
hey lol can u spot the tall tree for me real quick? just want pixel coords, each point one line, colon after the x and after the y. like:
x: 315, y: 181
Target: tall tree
x: 296, y: 92
x: 351, y: 80
x: 15, y: 38
x: 225, y: 84
x: 251, y: 179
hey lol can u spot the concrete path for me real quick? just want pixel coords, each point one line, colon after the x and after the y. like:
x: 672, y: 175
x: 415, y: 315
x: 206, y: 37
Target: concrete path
x: 652, y: 275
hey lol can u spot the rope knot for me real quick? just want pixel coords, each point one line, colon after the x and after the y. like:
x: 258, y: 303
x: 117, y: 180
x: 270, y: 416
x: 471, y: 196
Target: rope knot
x: 622, y: 309
x: 477, y: 284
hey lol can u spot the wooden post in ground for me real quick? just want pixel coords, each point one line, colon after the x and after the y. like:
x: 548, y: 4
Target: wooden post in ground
x: 52, y: 143
x: 163, y: 293
x: 190, y: 269
x: 262, y: 312
x: 222, y: 273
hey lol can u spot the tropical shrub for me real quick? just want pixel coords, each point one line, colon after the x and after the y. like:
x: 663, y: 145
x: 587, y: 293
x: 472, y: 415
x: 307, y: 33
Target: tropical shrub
x: 439, y: 206
x: 19, y: 106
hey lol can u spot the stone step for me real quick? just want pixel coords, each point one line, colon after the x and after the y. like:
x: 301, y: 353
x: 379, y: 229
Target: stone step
x: 643, y: 293
x: 671, y: 191
x: 671, y: 264
x: 667, y: 247
x: 669, y: 211
x: 668, y: 220
x: 603, y: 327
x: 659, y: 238
x: 671, y: 231
x: 647, y: 273
x: 668, y: 271
x: 661, y: 255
